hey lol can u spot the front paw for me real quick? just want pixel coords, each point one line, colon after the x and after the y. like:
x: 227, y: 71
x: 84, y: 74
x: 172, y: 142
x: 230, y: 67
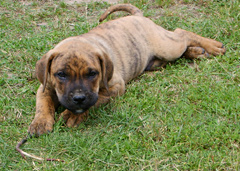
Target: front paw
x: 73, y: 120
x: 40, y: 126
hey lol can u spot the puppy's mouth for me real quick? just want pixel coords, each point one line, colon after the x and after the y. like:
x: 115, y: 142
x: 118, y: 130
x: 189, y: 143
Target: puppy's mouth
x: 78, y: 111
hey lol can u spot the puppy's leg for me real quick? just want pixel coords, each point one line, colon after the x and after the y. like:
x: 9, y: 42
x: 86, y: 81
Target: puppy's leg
x: 117, y: 89
x: 43, y: 121
x: 73, y: 120
x: 195, y: 52
x: 168, y: 46
x: 190, y: 53
x: 211, y: 46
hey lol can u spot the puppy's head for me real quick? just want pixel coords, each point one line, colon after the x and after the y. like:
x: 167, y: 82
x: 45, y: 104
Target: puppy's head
x: 76, y: 76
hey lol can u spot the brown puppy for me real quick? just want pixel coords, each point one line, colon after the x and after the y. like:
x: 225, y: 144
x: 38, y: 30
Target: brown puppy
x: 86, y: 70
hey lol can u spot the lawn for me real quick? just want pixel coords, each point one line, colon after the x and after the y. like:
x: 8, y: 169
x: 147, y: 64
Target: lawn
x: 184, y: 117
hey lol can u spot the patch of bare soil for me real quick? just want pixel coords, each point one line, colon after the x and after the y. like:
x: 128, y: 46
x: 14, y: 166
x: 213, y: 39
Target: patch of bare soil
x: 88, y: 1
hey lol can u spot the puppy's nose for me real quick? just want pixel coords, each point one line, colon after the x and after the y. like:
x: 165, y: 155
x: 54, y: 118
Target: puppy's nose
x: 78, y: 98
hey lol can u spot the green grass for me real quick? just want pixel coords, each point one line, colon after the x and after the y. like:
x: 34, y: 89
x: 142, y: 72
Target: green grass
x: 184, y: 117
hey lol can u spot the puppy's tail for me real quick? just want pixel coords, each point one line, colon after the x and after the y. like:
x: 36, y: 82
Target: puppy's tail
x: 121, y: 7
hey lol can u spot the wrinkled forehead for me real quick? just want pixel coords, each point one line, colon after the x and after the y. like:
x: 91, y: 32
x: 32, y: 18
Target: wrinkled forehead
x: 74, y: 61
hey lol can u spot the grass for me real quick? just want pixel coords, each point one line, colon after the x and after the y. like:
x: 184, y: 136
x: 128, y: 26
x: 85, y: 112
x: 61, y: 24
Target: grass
x: 184, y: 117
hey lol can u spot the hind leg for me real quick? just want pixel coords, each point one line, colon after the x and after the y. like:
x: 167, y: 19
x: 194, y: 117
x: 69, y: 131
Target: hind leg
x: 190, y: 53
x: 211, y: 46
x: 169, y: 46
x: 182, y: 43
x: 195, y: 52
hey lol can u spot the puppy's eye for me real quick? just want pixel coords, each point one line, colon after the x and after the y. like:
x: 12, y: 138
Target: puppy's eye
x: 92, y: 74
x: 61, y: 75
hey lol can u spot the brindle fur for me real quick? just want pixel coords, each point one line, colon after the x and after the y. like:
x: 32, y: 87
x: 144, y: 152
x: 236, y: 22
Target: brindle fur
x: 118, y: 50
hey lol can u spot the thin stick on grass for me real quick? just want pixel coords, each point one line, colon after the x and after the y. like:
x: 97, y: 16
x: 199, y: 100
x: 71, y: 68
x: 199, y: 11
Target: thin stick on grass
x: 24, y: 154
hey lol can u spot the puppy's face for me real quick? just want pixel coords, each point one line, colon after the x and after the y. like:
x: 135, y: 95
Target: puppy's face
x: 76, y: 78
x: 75, y: 71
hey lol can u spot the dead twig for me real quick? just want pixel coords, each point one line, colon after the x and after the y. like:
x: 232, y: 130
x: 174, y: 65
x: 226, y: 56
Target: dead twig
x: 24, y: 154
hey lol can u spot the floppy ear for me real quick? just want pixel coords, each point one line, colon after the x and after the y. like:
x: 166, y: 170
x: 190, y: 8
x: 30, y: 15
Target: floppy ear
x: 43, y: 67
x: 106, y: 68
